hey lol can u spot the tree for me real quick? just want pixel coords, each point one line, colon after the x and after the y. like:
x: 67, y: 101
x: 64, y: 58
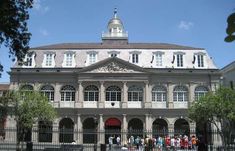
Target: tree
x: 218, y: 109
x: 13, y: 27
x: 27, y: 107
x: 231, y: 28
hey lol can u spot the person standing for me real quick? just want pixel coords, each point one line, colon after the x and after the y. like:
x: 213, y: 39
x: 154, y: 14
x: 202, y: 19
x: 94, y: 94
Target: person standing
x: 110, y: 142
x: 118, y: 139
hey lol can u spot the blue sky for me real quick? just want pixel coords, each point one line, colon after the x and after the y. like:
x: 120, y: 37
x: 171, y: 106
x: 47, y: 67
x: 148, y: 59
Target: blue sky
x: 196, y: 23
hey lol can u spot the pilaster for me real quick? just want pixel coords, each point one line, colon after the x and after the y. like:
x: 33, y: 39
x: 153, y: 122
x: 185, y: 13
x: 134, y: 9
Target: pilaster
x: 147, y: 101
x: 78, y: 104
x: 170, y: 88
x: 125, y: 95
x: 102, y: 95
x: 124, y: 130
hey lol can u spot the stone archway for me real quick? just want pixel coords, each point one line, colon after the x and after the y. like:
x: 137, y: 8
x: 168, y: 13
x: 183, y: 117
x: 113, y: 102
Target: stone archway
x: 181, y: 127
x: 89, y: 126
x: 135, y: 128
x: 160, y: 127
x: 66, y: 129
x: 112, y: 128
x: 45, y: 131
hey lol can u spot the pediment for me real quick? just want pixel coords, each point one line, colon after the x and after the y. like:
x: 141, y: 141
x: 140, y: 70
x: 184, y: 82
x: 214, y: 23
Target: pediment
x: 113, y: 65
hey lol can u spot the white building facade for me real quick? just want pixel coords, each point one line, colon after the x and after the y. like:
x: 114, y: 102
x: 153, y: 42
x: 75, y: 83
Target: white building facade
x: 117, y: 85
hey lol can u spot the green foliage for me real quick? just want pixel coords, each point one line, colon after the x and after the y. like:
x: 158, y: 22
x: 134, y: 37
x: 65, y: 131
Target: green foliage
x: 219, y: 105
x: 27, y: 107
x: 217, y: 108
x: 31, y: 107
x: 230, y: 28
x: 13, y: 27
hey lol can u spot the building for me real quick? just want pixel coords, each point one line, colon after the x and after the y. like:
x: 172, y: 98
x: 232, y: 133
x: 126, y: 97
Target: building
x: 116, y: 85
x: 228, y: 75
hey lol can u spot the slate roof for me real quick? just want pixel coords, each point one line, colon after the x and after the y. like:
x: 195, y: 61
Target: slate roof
x: 114, y: 46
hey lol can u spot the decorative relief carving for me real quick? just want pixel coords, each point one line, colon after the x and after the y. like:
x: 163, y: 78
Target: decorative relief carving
x: 113, y: 67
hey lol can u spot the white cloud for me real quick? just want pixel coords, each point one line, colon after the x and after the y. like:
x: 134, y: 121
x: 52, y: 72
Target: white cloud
x: 37, y: 5
x: 185, y: 25
x: 44, y: 32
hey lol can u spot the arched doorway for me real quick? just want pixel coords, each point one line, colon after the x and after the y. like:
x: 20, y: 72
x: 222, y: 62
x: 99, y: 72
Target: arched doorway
x: 66, y: 126
x: 45, y: 131
x: 181, y: 127
x: 89, y: 130
x: 135, y: 128
x: 112, y: 128
x: 160, y: 127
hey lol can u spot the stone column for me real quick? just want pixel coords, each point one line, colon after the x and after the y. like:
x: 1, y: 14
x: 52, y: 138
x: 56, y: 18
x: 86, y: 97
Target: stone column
x: 124, y: 130
x: 192, y: 127
x: 102, y: 95
x: 35, y: 133
x: 148, y: 124
x: 147, y: 101
x: 11, y: 129
x: 170, y: 88
x: 57, y: 95
x: 125, y: 95
x: 80, y: 95
x: 55, y: 131
x: 79, y: 130
x: 191, y: 94
x: 101, y: 131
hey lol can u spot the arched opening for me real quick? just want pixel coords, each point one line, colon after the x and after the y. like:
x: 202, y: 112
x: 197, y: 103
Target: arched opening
x: 135, y: 128
x: 181, y: 127
x: 45, y: 131
x: 89, y: 130
x: 112, y: 128
x: 204, y: 132
x: 66, y: 126
x: 160, y: 127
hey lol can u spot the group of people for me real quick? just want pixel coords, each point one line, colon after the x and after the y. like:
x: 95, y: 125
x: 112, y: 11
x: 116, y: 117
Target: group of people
x: 158, y: 143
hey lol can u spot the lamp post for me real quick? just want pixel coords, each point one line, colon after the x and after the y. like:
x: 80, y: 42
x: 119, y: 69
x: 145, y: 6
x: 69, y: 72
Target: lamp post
x: 95, y: 141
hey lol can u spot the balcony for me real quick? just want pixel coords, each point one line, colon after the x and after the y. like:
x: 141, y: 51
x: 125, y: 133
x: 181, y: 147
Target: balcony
x: 134, y: 104
x: 90, y: 104
x: 158, y: 105
x: 67, y: 104
x: 112, y: 104
x: 180, y: 104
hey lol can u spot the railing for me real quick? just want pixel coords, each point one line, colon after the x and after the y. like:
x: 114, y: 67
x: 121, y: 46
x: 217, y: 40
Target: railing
x: 92, y: 139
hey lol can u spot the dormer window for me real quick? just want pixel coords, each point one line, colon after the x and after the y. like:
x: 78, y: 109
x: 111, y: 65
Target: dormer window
x: 198, y: 59
x: 179, y: 59
x: 29, y: 60
x: 113, y: 53
x: 91, y: 57
x: 69, y: 59
x: 135, y: 58
x: 49, y: 59
x: 157, y: 58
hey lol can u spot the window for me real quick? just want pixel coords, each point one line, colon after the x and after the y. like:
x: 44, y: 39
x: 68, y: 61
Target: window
x: 180, y: 94
x: 179, y: 59
x: 91, y: 93
x: 159, y: 94
x: 92, y: 58
x: 26, y: 88
x: 200, y: 60
x: 48, y: 60
x: 113, y: 93
x: 48, y: 91
x: 135, y: 58
x: 135, y: 93
x: 68, y: 59
x: 68, y: 93
x: 200, y: 91
x: 113, y: 55
x: 29, y: 60
x: 158, y: 57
